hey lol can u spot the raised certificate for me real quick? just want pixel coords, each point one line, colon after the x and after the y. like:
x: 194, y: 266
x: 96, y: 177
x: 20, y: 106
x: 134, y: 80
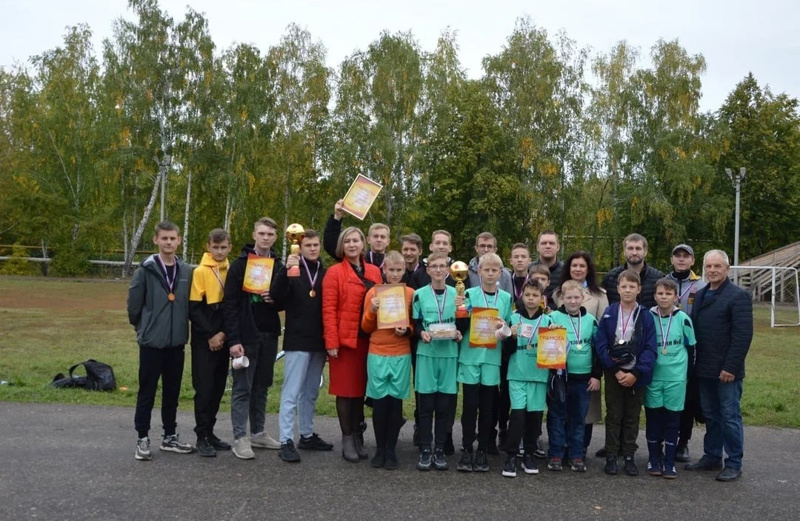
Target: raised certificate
x: 552, y: 351
x: 258, y: 274
x: 360, y: 196
x: 482, y: 328
x: 392, y: 308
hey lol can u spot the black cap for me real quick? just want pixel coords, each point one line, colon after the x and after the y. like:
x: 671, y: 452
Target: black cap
x: 685, y: 247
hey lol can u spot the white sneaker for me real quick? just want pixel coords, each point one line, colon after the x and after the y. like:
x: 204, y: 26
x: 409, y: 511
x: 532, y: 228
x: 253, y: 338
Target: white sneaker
x: 173, y: 443
x: 262, y: 440
x: 143, y: 449
x: 242, y: 449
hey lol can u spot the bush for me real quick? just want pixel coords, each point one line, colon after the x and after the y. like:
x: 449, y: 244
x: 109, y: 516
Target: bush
x: 70, y: 262
x: 17, y: 265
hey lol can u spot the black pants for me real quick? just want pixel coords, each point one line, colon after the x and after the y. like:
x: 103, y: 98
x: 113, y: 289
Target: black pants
x: 503, y: 399
x: 623, y: 408
x: 479, y: 405
x: 440, y: 405
x: 529, y: 423
x: 209, y: 374
x: 387, y: 418
x: 154, y: 364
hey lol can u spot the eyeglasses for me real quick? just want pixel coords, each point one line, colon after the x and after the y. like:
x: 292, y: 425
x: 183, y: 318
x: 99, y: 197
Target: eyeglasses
x: 437, y: 267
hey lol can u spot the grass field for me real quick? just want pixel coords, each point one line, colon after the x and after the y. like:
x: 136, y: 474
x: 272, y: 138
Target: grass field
x: 47, y: 325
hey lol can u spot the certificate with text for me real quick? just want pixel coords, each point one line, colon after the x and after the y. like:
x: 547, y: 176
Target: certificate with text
x: 360, y: 196
x: 482, y: 328
x: 552, y: 350
x: 392, y: 308
x: 258, y: 274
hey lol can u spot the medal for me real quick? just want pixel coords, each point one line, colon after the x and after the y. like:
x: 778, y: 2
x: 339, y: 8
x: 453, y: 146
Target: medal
x: 663, y: 351
x: 169, y: 283
x: 171, y: 297
x: 579, y: 347
x: 311, y: 279
x: 664, y: 335
x: 577, y: 331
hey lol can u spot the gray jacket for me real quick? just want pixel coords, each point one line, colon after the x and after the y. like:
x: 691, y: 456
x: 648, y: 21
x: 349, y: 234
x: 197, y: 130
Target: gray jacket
x: 506, y: 282
x: 159, y: 323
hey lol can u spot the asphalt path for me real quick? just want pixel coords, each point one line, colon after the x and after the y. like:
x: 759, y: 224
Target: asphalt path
x: 76, y: 462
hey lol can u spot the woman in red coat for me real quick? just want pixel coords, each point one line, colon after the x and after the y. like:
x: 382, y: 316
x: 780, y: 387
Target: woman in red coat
x: 343, y: 290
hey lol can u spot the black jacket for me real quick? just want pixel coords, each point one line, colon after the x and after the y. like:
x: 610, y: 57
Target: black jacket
x: 244, y: 319
x: 555, y: 277
x: 649, y: 276
x: 303, y: 317
x: 723, y: 326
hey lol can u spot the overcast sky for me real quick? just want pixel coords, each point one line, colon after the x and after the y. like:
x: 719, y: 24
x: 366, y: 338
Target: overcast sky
x: 735, y: 36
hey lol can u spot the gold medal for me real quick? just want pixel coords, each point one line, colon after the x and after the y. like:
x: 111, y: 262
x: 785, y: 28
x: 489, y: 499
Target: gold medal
x: 312, y: 293
x: 171, y: 297
x: 579, y: 346
x: 664, y: 351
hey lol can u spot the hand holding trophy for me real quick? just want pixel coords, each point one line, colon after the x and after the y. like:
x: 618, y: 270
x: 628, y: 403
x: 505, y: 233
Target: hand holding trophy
x: 295, y: 234
x: 459, y: 271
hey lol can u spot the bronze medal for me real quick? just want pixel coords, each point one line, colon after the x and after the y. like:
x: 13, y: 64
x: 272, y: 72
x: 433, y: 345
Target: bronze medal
x: 171, y: 297
x: 312, y: 293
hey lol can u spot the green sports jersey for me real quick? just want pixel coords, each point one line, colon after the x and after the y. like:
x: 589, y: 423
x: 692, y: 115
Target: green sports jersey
x: 477, y: 298
x: 522, y: 364
x: 426, y: 306
x: 673, y: 358
x: 581, y: 334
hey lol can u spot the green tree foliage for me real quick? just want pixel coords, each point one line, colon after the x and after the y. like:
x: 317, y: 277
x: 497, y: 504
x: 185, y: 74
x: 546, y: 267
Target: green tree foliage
x: 95, y: 149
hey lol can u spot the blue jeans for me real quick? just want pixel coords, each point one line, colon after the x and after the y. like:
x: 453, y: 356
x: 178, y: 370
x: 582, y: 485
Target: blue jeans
x: 720, y: 403
x: 250, y: 385
x: 301, y: 374
x: 565, y: 421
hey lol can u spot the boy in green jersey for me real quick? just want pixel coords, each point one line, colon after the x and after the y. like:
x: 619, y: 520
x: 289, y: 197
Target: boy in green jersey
x: 479, y: 366
x: 565, y: 420
x: 434, y: 313
x: 527, y: 383
x: 664, y: 397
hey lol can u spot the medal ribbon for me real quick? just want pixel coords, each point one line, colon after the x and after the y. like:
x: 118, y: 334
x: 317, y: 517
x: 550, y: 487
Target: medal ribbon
x: 215, y: 271
x: 625, y: 323
x: 521, y: 289
x: 577, y: 331
x: 439, y: 310
x: 535, y: 329
x: 169, y: 283
x: 486, y: 300
x: 664, y: 336
x: 372, y: 260
x: 680, y: 298
x: 308, y: 272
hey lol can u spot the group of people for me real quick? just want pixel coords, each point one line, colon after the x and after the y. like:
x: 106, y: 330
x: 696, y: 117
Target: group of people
x: 673, y: 343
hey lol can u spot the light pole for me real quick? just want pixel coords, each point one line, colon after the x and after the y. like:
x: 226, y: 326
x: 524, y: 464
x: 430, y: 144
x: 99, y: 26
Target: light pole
x: 737, y: 184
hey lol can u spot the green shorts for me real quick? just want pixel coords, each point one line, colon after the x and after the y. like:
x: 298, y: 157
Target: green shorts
x: 662, y: 393
x: 530, y: 396
x: 484, y: 374
x: 436, y: 374
x: 388, y: 376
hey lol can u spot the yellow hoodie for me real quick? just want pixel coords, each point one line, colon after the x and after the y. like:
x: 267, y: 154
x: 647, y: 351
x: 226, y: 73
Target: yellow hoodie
x: 209, y: 280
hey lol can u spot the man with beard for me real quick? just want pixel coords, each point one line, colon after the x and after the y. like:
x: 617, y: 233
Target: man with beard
x: 634, y: 247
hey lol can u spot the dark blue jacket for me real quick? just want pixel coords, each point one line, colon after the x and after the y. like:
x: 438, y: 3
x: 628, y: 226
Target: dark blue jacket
x: 723, y: 326
x: 645, y: 334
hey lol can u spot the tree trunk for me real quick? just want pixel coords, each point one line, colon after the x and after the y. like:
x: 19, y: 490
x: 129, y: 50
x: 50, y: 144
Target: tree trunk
x: 137, y: 236
x: 186, y: 214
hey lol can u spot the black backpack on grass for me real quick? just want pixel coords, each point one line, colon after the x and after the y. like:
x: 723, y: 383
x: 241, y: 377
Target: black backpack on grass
x: 99, y: 377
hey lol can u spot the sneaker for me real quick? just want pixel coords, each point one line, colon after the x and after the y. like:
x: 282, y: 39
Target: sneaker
x: 425, y: 460
x: 205, y: 448
x: 654, y: 468
x: 611, y: 466
x: 555, y: 464
x: 670, y: 472
x: 173, y: 443
x: 288, y: 453
x: 390, y: 459
x: 481, y: 463
x: 465, y: 463
x: 630, y: 466
x: 539, y: 452
x: 218, y: 444
x: 143, y: 449
x: 704, y: 464
x: 262, y: 440
x: 314, y: 442
x: 578, y: 465
x: 439, y: 460
x: 378, y: 460
x: 510, y: 467
x: 529, y: 464
x: 682, y: 454
x: 449, y: 448
x: 242, y: 448
x: 728, y: 474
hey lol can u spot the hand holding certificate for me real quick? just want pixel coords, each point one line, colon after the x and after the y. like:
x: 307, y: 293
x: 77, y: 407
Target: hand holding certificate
x: 552, y: 352
x: 392, y: 308
x: 360, y: 196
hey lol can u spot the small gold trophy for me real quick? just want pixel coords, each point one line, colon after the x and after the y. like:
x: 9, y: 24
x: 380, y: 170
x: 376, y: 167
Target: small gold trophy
x: 295, y: 234
x: 459, y: 271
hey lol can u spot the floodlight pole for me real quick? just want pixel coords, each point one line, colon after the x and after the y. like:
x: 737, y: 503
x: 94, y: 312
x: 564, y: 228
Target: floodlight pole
x: 737, y: 185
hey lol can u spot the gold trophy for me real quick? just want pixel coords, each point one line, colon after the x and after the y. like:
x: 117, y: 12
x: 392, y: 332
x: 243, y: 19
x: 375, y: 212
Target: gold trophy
x: 459, y: 271
x: 295, y: 234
